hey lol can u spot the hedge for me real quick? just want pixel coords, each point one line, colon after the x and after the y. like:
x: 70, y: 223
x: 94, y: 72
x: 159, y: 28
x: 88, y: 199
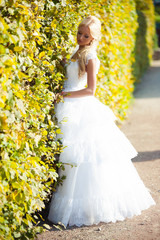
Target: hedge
x: 115, y: 79
x: 34, y: 37
x: 145, y: 35
x: 27, y: 126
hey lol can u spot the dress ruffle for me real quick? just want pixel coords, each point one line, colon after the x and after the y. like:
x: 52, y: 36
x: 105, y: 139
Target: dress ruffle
x: 88, y: 127
x: 102, y: 185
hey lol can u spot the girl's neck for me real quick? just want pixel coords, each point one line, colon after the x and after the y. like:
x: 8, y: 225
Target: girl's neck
x: 81, y: 47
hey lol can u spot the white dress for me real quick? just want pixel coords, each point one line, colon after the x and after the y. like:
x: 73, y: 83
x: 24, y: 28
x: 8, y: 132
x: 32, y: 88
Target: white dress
x: 103, y: 185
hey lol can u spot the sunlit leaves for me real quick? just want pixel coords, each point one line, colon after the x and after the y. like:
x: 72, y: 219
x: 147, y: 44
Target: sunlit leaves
x: 144, y: 37
x: 25, y: 104
x: 34, y: 37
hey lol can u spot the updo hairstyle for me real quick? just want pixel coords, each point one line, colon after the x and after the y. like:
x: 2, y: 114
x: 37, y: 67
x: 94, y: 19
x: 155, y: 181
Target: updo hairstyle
x: 94, y: 26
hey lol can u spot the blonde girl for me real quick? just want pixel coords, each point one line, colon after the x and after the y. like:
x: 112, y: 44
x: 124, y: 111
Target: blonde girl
x: 102, y: 185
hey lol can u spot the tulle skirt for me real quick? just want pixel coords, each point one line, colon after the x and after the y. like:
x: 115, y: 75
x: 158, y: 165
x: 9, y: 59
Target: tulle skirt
x: 101, y: 184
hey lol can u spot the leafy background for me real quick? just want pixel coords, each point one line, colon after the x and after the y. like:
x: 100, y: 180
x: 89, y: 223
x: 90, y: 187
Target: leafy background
x: 34, y: 37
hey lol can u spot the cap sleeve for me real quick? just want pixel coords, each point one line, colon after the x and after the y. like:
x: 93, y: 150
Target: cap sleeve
x: 91, y: 55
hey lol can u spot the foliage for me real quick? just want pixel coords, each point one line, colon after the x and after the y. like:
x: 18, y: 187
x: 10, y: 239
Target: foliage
x: 157, y: 18
x: 35, y: 36
x: 118, y: 38
x: 144, y: 44
x: 157, y: 22
x: 27, y: 127
x: 157, y: 10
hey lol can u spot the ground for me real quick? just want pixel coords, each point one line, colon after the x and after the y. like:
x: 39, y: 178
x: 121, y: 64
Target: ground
x: 143, y: 130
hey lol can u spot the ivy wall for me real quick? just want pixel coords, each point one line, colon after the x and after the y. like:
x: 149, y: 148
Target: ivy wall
x: 34, y: 37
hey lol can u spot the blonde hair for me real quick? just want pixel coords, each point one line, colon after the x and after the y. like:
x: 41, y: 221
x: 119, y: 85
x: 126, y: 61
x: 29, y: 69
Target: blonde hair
x: 94, y: 26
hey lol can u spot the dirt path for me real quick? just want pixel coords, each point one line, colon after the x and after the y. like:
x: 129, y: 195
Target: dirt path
x: 143, y: 130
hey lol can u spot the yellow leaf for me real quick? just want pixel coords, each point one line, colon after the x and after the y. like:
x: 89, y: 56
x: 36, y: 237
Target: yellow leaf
x: 4, y: 122
x: 38, y: 25
x: 2, y: 100
x: 19, y: 95
x: 8, y: 62
x: 3, y: 25
x: 42, y: 54
x: 39, y: 42
x: 51, y: 67
x: 15, y: 86
x: 53, y: 24
x: 41, y: 18
x: 58, y: 131
x: 44, y: 132
x: 2, y: 104
x: 2, y: 49
x: 22, y: 75
x: 46, y: 63
x: 18, y: 49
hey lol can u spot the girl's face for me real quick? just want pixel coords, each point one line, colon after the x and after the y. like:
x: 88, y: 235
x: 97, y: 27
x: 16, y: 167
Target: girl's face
x: 83, y: 36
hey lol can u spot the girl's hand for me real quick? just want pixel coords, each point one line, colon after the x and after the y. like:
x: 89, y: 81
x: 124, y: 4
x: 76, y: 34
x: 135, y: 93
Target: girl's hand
x: 57, y: 97
x: 64, y: 93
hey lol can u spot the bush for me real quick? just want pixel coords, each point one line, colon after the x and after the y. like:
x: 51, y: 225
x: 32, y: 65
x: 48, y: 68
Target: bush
x: 115, y: 85
x: 35, y: 36
x: 145, y: 35
x: 27, y: 126
x: 157, y: 22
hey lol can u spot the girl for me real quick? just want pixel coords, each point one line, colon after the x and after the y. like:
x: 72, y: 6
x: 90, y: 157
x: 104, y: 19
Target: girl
x: 102, y: 185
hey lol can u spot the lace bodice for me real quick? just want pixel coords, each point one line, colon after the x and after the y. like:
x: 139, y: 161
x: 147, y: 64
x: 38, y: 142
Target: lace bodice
x: 73, y: 82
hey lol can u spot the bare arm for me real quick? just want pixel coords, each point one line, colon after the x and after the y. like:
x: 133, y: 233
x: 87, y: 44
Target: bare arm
x: 91, y: 83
